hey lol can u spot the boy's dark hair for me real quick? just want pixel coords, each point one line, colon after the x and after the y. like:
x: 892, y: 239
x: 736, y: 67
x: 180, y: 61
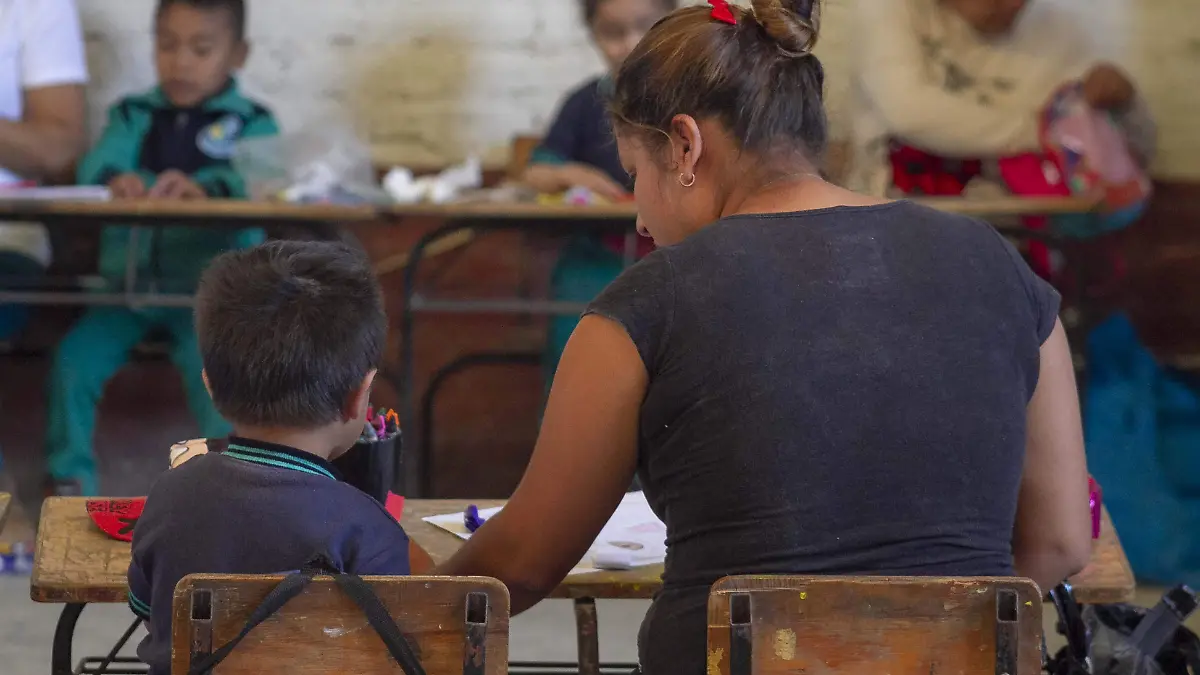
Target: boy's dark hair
x: 590, y: 7
x: 758, y: 77
x: 287, y: 330
x: 235, y: 8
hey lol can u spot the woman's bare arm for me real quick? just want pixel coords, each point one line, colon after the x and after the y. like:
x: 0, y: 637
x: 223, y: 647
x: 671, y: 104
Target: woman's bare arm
x: 48, y: 140
x: 1052, y: 539
x: 582, y: 464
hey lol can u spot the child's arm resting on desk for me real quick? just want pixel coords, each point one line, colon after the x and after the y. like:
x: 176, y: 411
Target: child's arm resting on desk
x: 222, y: 181
x: 116, y: 153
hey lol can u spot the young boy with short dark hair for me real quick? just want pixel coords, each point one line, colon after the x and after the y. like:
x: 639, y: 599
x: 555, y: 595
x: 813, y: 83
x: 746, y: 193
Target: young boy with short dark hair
x: 175, y: 141
x: 291, y: 334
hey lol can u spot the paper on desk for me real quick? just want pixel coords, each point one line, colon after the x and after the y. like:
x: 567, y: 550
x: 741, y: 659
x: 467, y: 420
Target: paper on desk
x: 67, y: 193
x: 633, y: 533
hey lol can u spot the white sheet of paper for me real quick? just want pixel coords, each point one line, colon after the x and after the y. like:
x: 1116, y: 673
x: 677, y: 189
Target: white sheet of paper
x: 66, y: 193
x: 633, y: 533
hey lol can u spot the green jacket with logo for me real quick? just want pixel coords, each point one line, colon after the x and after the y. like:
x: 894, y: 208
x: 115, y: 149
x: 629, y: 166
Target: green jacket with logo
x: 147, y: 135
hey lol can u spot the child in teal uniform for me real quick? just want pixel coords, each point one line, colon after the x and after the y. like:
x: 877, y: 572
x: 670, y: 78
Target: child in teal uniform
x: 173, y: 142
x: 579, y: 151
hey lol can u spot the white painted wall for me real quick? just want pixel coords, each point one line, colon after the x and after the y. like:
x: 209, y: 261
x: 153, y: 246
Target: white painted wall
x: 429, y: 81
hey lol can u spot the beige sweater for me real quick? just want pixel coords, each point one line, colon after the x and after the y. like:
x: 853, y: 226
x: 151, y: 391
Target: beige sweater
x: 923, y: 76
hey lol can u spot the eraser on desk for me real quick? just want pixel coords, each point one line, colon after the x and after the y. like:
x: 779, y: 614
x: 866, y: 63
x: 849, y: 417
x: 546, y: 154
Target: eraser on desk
x: 613, y: 559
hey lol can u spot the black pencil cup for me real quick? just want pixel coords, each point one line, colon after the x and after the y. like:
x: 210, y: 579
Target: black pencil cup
x: 371, y: 467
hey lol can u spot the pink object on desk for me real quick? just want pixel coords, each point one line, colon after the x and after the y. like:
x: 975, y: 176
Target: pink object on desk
x: 1094, y: 502
x: 395, y: 505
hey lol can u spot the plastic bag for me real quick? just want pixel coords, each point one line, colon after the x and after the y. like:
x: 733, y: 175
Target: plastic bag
x: 319, y: 163
x: 1123, y: 639
x: 1092, y: 156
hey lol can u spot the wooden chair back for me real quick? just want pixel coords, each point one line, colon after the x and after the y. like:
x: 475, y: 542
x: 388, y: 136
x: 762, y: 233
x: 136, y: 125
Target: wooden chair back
x: 454, y: 624
x: 855, y: 625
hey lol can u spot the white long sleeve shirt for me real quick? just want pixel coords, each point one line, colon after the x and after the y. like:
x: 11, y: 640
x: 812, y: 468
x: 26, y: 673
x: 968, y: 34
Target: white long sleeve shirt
x: 924, y: 77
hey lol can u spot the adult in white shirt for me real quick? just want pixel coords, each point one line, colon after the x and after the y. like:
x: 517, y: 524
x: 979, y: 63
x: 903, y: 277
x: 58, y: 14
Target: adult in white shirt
x: 42, y: 74
x: 966, y: 79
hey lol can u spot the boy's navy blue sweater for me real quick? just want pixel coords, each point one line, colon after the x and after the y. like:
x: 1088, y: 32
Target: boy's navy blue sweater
x: 256, y: 508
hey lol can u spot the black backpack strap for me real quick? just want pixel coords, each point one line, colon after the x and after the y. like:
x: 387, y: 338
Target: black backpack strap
x: 1158, y: 628
x: 291, y: 586
x: 377, y: 615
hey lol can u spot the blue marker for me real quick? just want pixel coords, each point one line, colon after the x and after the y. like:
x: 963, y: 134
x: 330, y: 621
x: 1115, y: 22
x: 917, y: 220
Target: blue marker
x: 471, y: 519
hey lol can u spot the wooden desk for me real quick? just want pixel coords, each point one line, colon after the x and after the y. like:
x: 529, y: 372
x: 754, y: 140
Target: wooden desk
x: 207, y: 211
x: 75, y: 564
x: 216, y: 211
x: 5, y: 503
x: 1107, y: 579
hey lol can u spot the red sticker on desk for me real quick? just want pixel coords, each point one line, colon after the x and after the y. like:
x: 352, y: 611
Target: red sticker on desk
x: 116, y: 517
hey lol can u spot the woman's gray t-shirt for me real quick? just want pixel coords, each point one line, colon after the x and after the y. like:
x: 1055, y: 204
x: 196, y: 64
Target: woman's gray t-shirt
x: 840, y: 391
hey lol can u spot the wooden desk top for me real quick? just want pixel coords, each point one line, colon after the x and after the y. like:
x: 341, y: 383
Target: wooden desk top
x: 75, y: 562
x: 1107, y: 579
x: 639, y: 582
x: 5, y: 502
x: 218, y: 209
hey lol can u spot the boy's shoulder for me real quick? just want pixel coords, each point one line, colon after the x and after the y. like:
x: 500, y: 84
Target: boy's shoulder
x: 202, y: 475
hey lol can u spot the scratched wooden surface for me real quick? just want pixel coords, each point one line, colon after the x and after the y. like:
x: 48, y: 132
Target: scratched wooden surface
x: 323, y: 631
x: 5, y: 502
x: 894, y: 625
x: 1107, y: 579
x: 75, y: 562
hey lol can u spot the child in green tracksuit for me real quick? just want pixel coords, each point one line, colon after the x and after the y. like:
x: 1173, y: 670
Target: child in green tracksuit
x: 173, y: 142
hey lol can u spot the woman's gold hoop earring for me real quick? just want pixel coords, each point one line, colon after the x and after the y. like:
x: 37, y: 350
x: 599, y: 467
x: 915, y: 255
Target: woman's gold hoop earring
x: 689, y: 182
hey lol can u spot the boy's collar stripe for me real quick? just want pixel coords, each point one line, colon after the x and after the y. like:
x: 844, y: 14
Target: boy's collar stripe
x: 277, y: 459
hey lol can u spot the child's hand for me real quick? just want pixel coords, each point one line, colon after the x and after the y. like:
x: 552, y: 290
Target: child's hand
x: 600, y: 183
x: 1105, y: 87
x: 176, y: 185
x: 127, y: 186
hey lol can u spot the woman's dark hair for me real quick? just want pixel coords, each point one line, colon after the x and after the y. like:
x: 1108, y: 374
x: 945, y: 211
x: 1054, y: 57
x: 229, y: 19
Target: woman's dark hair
x: 759, y: 78
x: 590, y: 7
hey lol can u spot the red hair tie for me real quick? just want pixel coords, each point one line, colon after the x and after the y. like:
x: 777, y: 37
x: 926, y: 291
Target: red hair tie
x: 722, y: 12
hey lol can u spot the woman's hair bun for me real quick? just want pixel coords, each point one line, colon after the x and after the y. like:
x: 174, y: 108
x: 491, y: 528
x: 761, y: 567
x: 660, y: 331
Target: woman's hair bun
x: 792, y: 24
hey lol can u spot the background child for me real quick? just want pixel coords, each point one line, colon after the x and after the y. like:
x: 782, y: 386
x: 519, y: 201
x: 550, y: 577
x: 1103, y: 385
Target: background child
x: 579, y: 150
x: 173, y: 142
x: 291, y: 334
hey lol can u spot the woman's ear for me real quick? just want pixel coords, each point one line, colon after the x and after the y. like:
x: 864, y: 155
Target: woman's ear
x: 686, y: 144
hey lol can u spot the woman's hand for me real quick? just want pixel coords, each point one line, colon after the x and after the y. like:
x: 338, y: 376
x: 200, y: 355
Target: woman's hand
x: 551, y: 178
x: 1105, y: 87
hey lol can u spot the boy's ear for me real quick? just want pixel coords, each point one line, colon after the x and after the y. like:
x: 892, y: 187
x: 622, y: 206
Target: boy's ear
x: 207, y: 386
x: 360, y: 398
x: 240, y: 54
